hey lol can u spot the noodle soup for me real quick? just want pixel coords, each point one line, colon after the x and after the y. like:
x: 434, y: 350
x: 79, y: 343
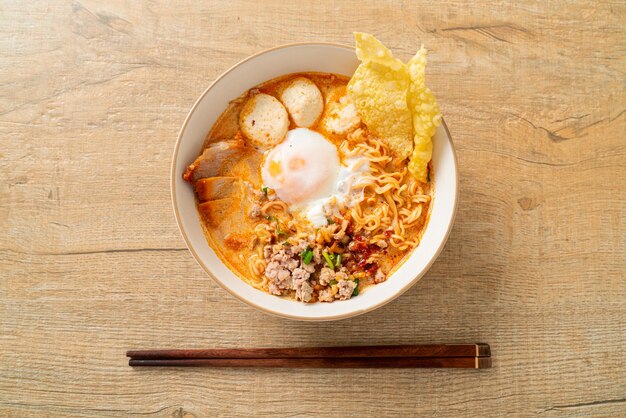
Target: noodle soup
x: 301, y: 198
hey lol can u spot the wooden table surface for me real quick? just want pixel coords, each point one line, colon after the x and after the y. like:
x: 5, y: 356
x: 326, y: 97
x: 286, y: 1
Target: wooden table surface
x: 92, y: 95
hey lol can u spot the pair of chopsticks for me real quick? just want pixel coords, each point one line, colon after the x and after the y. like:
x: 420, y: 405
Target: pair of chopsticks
x: 458, y: 356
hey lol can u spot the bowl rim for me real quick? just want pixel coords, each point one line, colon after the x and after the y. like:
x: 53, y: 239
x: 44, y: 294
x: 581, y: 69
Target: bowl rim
x: 249, y: 302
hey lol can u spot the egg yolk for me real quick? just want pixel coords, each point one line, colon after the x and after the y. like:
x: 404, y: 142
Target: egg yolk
x: 303, y: 168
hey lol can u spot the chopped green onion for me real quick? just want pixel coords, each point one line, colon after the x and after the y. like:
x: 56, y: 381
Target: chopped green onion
x: 286, y: 243
x: 329, y: 260
x: 332, y: 282
x: 336, y: 259
x: 265, y: 189
x: 330, y: 221
x: 307, y: 255
x: 355, y: 292
x: 279, y: 231
x: 270, y: 218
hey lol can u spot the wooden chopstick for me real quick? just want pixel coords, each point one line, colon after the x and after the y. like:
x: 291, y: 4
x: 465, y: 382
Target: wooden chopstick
x: 469, y: 356
x: 319, y: 363
x: 426, y: 350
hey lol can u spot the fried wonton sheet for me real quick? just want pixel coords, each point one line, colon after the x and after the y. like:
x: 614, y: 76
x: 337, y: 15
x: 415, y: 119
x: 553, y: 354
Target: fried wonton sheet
x: 426, y: 116
x: 394, y: 102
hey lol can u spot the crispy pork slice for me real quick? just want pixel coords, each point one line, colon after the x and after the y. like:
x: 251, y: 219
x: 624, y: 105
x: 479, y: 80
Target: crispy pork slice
x: 229, y: 219
x: 215, y: 212
x: 215, y: 159
x: 214, y: 188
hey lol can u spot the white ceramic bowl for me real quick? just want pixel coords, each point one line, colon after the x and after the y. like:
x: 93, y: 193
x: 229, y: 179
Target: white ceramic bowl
x: 319, y: 57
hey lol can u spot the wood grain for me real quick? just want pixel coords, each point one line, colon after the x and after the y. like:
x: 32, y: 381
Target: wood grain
x: 92, y: 95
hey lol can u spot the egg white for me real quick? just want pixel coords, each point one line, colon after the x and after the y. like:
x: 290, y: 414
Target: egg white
x: 305, y: 172
x: 353, y: 173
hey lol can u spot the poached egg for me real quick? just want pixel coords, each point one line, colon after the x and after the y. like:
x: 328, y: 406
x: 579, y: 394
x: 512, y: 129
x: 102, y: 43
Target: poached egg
x: 306, y: 173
